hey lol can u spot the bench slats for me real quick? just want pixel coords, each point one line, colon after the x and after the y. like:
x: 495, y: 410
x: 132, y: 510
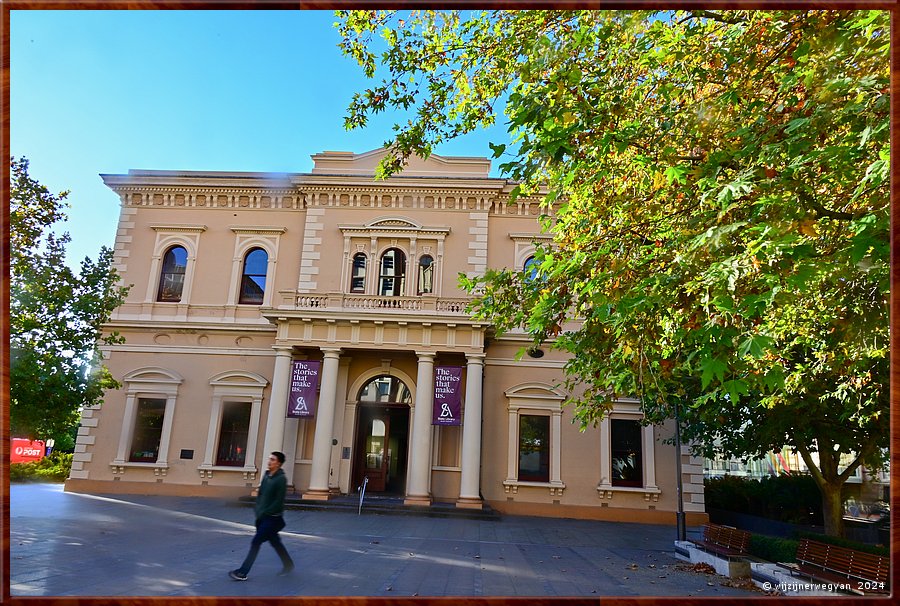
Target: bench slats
x: 840, y: 564
x: 724, y: 540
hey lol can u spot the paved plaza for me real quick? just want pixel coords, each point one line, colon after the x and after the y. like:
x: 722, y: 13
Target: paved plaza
x: 66, y: 544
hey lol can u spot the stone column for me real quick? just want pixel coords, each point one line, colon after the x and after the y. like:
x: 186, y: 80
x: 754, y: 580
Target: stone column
x: 420, y: 444
x: 321, y: 461
x: 469, y: 484
x: 278, y: 401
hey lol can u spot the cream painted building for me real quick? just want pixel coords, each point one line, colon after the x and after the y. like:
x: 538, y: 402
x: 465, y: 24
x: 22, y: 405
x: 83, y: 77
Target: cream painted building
x: 246, y: 284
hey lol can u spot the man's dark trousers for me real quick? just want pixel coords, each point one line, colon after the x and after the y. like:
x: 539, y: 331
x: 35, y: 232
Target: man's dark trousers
x: 267, y: 528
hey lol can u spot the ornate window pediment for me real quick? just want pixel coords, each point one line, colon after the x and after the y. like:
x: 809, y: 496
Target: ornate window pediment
x: 394, y: 226
x: 393, y: 223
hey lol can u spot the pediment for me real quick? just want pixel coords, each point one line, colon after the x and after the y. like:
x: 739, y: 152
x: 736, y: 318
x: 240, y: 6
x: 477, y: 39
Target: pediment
x: 153, y: 374
x: 535, y: 390
x: 393, y: 223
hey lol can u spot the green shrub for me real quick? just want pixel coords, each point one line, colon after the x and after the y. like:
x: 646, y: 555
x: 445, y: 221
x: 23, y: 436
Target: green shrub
x: 773, y: 549
x: 54, y: 468
x: 841, y: 542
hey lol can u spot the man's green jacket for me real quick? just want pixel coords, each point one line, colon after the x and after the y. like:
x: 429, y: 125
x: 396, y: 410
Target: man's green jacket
x: 270, y: 498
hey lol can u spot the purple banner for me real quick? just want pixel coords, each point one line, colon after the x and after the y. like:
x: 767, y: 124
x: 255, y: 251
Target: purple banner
x: 304, y: 387
x: 447, y: 395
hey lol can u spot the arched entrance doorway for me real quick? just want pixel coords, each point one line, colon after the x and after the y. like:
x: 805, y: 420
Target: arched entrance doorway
x: 382, y: 435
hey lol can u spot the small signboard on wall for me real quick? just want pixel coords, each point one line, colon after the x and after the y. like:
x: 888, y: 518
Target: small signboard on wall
x: 447, y: 395
x: 304, y: 389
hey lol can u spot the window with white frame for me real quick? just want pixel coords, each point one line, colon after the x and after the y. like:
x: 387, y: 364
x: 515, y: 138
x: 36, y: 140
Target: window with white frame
x: 253, y: 277
x: 150, y: 396
x: 426, y: 275
x: 253, y: 264
x: 171, y: 277
x: 627, y: 452
x: 358, y: 273
x: 147, y: 434
x: 231, y: 444
x: 233, y: 433
x: 392, y: 279
x: 172, y: 263
x: 534, y: 429
x: 534, y: 448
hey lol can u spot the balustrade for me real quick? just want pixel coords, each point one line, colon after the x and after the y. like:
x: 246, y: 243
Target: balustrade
x: 336, y: 302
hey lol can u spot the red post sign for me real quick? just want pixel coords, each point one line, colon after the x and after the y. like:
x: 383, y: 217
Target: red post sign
x: 26, y: 451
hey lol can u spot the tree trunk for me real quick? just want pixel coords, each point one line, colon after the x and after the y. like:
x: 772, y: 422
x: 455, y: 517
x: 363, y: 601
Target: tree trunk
x: 830, y: 483
x: 832, y: 508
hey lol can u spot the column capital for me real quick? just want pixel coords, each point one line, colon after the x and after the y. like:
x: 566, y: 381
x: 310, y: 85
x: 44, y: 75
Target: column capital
x: 283, y: 350
x: 426, y: 355
x: 331, y: 352
x: 475, y: 358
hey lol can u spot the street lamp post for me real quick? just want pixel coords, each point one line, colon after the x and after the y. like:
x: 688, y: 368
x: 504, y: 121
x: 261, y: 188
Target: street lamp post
x: 679, y: 513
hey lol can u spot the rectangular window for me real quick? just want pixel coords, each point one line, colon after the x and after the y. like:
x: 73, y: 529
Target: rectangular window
x: 358, y: 275
x: 233, y: 434
x: 534, y: 448
x: 147, y: 430
x: 626, y: 447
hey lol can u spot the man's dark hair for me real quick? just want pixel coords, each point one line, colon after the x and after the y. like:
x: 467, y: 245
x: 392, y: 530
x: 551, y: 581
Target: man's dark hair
x: 279, y: 456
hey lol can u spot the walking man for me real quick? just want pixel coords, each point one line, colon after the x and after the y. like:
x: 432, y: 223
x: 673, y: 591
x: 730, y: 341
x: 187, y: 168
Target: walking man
x: 269, y: 518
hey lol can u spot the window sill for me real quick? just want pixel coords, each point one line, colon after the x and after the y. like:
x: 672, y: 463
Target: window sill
x: 206, y: 471
x: 119, y: 467
x: 651, y: 493
x: 512, y: 486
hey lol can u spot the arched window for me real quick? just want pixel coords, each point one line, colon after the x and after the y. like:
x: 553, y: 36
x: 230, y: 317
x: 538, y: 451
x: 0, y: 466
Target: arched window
x: 358, y: 273
x: 426, y: 275
x: 253, y: 279
x: 530, y: 268
x: 392, y: 280
x: 385, y: 388
x: 171, y: 278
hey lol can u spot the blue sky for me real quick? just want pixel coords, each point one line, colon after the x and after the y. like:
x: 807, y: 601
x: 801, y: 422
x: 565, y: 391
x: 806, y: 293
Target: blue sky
x: 96, y: 92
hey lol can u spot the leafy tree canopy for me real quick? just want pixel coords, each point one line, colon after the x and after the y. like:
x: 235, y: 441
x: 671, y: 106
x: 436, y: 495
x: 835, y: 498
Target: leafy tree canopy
x: 55, y: 316
x: 718, y: 182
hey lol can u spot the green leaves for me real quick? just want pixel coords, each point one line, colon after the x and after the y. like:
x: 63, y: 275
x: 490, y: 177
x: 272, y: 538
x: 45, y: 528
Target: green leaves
x: 755, y: 346
x: 712, y: 368
x: 56, y: 316
x: 676, y: 174
x: 725, y: 227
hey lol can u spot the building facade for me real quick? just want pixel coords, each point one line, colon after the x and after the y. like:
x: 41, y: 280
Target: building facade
x: 320, y: 314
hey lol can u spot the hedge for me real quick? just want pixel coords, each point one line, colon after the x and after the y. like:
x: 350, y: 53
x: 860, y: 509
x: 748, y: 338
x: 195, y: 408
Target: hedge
x: 54, y: 468
x: 775, y: 549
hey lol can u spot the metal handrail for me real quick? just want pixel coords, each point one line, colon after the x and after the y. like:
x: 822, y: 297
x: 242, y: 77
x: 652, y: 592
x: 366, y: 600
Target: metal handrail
x: 362, y: 494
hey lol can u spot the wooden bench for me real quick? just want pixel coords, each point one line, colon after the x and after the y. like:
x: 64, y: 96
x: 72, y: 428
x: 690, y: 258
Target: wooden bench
x: 863, y: 572
x: 724, y: 541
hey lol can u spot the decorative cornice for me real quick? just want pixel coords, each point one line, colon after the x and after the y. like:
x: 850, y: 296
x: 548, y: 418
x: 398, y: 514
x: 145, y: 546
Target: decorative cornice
x: 522, y: 237
x: 257, y: 229
x: 179, y: 229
